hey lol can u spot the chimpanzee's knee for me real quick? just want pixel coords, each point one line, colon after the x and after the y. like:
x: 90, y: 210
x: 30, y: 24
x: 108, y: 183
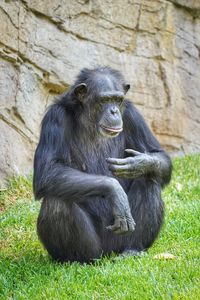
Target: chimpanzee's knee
x: 67, y: 232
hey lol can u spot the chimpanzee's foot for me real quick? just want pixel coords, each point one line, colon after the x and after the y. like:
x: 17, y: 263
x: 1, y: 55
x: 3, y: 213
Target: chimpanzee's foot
x: 129, y: 253
x: 132, y: 252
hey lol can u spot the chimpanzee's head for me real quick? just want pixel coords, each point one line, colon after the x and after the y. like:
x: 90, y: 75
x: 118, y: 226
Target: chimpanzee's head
x: 100, y: 93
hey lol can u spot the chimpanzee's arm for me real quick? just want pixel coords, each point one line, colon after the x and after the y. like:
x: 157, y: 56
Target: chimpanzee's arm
x: 52, y: 175
x: 149, y: 158
x: 54, y: 178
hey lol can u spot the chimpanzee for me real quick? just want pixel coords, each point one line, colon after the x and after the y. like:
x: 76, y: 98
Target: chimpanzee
x: 99, y: 171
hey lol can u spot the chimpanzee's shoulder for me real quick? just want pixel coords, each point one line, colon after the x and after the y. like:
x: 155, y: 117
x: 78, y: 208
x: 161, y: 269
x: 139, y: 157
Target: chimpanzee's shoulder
x: 131, y: 111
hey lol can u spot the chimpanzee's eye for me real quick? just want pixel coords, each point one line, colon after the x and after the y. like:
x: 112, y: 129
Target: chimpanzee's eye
x: 119, y: 101
x: 105, y: 100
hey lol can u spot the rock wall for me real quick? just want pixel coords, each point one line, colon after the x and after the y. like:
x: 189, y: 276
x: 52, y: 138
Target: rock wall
x: 43, y: 45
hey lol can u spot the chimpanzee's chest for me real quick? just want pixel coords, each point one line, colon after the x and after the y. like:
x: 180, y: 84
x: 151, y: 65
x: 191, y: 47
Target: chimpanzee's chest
x: 91, y: 158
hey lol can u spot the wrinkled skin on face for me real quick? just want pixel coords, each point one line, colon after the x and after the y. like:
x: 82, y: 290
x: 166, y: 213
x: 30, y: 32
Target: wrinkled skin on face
x: 105, y: 110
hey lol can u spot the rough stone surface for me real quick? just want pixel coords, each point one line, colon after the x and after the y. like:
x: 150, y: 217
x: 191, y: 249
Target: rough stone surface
x: 43, y: 45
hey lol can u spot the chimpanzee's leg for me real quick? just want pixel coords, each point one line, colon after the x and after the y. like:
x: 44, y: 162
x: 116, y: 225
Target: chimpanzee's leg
x: 147, y: 210
x: 67, y: 232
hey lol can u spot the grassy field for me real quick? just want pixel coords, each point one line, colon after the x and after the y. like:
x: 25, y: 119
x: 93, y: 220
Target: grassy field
x: 27, y: 272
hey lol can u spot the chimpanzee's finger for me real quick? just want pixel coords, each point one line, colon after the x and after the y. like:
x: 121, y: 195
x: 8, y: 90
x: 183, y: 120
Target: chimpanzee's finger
x: 116, y: 168
x: 131, y: 224
x: 124, y: 175
x: 129, y: 175
x: 117, y: 161
x: 133, y: 152
x: 123, y: 227
x: 119, y: 226
x: 115, y: 226
x: 111, y: 227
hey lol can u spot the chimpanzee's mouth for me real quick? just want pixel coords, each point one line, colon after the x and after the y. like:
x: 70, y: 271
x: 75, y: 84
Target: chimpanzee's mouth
x: 111, y: 131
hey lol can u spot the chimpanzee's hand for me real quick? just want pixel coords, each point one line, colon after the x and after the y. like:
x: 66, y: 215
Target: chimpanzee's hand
x: 131, y: 167
x: 123, y: 220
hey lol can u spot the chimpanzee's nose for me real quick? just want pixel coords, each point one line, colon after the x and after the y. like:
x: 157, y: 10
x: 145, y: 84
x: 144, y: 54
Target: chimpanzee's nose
x: 114, y: 110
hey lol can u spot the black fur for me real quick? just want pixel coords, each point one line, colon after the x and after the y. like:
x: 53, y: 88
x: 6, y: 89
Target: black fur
x: 72, y: 177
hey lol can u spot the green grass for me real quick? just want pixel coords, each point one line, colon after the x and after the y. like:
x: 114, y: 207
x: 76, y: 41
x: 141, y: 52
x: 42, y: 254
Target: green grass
x: 27, y: 272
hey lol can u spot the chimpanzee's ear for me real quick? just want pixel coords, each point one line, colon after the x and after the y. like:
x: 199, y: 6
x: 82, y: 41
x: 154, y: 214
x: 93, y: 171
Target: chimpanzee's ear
x: 126, y: 87
x: 80, y: 91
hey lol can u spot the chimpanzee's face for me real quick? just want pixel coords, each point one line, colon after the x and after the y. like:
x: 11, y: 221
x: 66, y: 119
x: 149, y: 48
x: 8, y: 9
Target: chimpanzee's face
x: 103, y: 105
x: 109, y: 113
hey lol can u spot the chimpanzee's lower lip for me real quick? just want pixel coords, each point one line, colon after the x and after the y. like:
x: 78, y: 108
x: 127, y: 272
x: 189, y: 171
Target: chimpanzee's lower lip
x: 112, y: 129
